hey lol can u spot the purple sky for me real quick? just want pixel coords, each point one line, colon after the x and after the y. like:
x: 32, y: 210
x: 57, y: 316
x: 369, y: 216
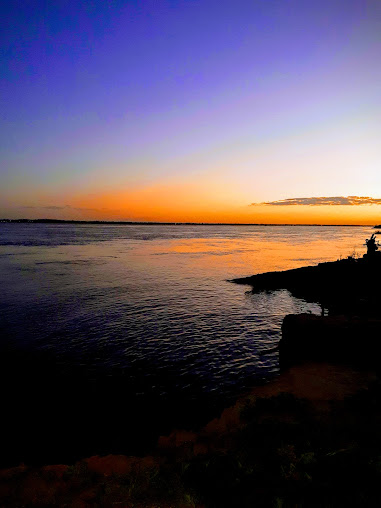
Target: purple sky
x: 114, y: 93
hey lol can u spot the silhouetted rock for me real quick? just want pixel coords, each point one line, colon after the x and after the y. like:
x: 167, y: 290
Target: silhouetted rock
x: 344, y: 286
x: 341, y: 339
x: 348, y: 290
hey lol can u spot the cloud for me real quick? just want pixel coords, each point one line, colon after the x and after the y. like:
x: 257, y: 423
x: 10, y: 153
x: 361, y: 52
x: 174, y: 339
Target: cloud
x: 335, y: 200
x: 65, y: 207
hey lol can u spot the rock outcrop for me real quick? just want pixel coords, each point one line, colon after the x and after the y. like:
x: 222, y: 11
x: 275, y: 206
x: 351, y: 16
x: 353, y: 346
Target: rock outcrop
x: 340, y: 339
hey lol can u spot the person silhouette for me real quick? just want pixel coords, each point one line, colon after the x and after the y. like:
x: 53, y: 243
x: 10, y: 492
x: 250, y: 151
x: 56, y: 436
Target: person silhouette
x: 371, y: 245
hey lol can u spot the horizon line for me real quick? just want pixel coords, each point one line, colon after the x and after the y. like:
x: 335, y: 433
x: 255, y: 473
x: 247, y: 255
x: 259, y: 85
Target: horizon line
x: 156, y: 223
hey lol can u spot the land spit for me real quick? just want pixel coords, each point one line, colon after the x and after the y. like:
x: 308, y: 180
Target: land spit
x: 344, y: 286
x: 346, y: 290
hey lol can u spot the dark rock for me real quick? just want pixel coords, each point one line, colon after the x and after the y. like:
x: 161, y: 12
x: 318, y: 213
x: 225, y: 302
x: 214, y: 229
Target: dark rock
x: 342, y: 339
x: 344, y: 286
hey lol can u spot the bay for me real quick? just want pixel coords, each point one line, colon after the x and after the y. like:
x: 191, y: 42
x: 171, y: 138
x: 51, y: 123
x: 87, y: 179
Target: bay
x: 112, y: 334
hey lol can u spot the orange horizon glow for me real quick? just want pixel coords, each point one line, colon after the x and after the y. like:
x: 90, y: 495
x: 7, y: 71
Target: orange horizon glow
x: 111, y: 209
x: 198, y: 201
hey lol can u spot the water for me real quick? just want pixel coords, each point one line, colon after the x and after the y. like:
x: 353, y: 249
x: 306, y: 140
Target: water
x: 114, y: 334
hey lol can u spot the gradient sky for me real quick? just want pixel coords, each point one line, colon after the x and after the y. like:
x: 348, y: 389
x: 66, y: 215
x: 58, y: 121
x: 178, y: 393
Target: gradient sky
x: 190, y: 110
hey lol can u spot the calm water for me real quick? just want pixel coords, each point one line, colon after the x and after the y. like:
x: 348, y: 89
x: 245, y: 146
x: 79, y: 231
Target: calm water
x: 108, y: 330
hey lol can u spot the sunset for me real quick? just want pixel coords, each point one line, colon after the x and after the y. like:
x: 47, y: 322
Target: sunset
x: 190, y: 221
x: 190, y: 111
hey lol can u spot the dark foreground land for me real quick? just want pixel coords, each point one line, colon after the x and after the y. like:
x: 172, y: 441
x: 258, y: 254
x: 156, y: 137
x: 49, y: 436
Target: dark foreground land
x: 310, y: 438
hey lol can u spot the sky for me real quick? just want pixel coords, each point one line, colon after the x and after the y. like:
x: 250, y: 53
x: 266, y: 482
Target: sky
x: 261, y: 111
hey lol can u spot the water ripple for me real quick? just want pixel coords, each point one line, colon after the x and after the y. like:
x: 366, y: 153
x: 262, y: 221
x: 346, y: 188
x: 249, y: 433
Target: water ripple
x: 148, y: 309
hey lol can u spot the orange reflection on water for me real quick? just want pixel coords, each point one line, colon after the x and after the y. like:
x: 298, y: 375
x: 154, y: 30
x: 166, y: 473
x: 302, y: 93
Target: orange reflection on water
x: 259, y: 252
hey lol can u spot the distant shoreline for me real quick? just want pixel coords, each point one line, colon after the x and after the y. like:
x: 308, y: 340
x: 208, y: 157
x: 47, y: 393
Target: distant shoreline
x: 147, y: 223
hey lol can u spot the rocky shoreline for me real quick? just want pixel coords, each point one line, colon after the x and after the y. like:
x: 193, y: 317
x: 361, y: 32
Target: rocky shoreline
x: 348, y: 329
x: 344, y: 286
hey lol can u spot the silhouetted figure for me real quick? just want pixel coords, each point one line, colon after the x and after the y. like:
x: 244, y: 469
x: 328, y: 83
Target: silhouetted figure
x: 371, y: 245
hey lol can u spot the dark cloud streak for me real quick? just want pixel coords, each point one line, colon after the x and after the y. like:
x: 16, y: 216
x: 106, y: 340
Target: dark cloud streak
x: 65, y: 207
x: 319, y: 201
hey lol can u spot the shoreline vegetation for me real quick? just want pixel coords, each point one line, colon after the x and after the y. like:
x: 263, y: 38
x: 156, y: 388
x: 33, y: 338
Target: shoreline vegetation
x: 310, y: 438
x: 149, y: 223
